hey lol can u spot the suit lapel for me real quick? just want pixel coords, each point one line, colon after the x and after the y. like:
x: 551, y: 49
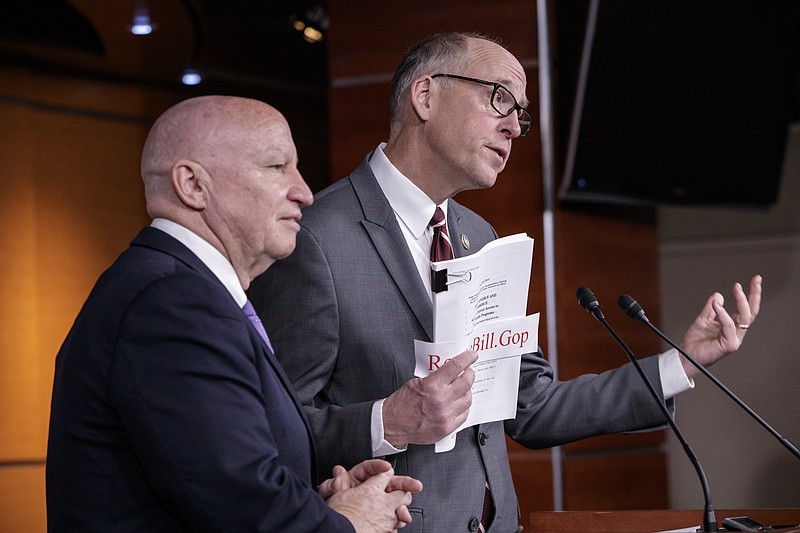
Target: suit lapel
x: 454, y: 230
x: 388, y: 240
x: 158, y: 240
x: 467, y: 238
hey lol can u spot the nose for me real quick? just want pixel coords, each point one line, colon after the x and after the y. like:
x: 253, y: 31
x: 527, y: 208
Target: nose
x: 299, y: 191
x: 510, y: 125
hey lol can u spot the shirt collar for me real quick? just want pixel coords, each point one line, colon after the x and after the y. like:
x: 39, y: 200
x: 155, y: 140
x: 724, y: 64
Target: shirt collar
x: 412, y: 206
x: 210, y: 256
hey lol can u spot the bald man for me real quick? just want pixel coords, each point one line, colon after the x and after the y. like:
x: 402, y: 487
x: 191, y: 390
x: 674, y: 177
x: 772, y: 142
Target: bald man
x: 169, y: 410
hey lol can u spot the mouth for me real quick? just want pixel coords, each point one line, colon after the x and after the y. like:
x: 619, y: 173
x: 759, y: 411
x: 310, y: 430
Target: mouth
x: 294, y: 220
x: 502, y: 153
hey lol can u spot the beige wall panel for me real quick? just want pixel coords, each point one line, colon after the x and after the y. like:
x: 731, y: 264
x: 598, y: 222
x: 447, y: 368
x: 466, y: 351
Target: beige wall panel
x: 72, y: 201
x: 22, y: 500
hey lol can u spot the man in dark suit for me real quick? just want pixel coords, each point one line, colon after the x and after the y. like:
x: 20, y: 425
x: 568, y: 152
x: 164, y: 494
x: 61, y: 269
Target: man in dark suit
x: 169, y: 410
x: 346, y: 306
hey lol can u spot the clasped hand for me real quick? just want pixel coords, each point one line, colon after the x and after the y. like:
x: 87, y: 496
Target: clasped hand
x: 371, y: 496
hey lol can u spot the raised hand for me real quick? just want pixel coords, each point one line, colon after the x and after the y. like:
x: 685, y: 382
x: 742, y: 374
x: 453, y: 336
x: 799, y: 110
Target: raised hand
x: 714, y: 333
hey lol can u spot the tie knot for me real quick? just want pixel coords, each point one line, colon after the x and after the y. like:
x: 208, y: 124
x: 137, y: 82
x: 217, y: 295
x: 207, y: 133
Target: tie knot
x: 441, y: 249
x: 438, y: 217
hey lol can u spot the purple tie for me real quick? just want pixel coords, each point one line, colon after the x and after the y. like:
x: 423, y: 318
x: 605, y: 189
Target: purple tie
x: 441, y: 249
x: 253, y: 316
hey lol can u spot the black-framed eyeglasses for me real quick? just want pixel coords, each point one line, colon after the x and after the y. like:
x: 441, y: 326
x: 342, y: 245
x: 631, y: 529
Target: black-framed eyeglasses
x: 502, y: 101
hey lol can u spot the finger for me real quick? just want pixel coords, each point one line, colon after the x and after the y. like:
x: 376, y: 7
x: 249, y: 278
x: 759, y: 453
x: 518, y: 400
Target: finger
x: 379, y: 481
x: 748, y: 305
x: 369, y: 468
x: 754, y: 296
x: 714, y: 303
x: 405, y: 483
x: 399, y: 498
x: 340, y: 480
x: 452, y: 368
x: 744, y: 316
x: 325, y: 490
x: 728, y: 325
x: 461, y: 387
x: 403, y: 515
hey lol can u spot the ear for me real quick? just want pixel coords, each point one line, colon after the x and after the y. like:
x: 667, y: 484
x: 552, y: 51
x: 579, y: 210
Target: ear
x: 421, y: 98
x: 190, y: 183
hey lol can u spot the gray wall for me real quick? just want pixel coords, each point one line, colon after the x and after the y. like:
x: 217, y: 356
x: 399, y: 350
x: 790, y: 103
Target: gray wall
x: 706, y: 250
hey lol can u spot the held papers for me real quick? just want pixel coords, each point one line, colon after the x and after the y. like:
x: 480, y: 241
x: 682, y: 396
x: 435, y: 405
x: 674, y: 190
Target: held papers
x: 481, y: 305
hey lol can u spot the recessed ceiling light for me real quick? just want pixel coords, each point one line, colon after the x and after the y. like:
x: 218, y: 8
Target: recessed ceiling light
x: 191, y: 77
x: 141, y: 25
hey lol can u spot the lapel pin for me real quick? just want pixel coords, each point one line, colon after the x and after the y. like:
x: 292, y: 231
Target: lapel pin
x: 464, y: 241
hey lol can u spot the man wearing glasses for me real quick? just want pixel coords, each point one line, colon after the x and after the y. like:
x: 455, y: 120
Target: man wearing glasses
x: 344, y: 309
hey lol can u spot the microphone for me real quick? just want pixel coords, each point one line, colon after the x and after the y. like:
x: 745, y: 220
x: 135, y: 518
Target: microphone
x: 588, y: 301
x: 632, y: 308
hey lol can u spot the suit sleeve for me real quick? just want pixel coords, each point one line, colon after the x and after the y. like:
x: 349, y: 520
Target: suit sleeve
x: 297, y: 300
x: 551, y: 413
x: 207, y: 419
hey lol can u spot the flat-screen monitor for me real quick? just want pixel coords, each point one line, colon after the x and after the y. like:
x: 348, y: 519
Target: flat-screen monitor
x: 676, y: 101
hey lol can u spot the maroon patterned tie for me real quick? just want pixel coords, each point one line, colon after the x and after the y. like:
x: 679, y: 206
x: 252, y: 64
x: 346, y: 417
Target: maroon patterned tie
x: 441, y: 249
x: 488, y: 510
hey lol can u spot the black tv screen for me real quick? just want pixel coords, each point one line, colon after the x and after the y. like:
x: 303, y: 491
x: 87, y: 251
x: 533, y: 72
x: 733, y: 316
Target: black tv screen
x: 677, y: 101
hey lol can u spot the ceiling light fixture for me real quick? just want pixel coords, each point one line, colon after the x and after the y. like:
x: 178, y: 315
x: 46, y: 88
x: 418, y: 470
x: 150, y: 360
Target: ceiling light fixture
x: 191, y: 77
x: 141, y: 25
x: 312, y: 23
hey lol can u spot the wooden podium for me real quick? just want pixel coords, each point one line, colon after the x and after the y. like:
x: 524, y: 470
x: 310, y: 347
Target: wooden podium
x: 651, y: 521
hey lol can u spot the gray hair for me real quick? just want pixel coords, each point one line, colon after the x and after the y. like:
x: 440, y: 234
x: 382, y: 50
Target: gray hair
x: 442, y: 52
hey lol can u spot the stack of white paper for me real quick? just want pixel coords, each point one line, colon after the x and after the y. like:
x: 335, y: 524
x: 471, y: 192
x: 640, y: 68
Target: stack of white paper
x: 483, y: 308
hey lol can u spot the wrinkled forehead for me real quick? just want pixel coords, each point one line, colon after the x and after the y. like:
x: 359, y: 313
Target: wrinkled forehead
x: 265, y: 143
x: 248, y: 123
x: 491, y: 62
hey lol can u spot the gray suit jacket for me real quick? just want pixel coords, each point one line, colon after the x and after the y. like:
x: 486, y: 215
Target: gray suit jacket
x: 343, y: 312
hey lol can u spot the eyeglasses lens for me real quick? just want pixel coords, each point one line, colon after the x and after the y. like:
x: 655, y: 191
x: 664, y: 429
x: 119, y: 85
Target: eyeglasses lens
x: 504, y: 103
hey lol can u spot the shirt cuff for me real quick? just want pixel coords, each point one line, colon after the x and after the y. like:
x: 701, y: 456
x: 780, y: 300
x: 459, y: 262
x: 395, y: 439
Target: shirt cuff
x: 673, y: 377
x: 380, y: 447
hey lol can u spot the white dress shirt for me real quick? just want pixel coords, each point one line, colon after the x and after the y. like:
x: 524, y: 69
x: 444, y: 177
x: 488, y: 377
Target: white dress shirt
x: 210, y: 256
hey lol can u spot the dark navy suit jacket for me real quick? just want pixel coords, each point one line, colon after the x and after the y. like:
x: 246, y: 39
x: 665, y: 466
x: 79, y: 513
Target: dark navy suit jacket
x: 169, y: 412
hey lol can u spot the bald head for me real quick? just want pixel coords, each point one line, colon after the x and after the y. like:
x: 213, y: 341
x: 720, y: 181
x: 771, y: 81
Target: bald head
x: 200, y: 129
x: 226, y: 168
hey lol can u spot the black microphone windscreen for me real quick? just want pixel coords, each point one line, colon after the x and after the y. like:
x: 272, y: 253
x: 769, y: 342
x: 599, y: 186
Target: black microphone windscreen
x: 586, y: 299
x: 631, y: 307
